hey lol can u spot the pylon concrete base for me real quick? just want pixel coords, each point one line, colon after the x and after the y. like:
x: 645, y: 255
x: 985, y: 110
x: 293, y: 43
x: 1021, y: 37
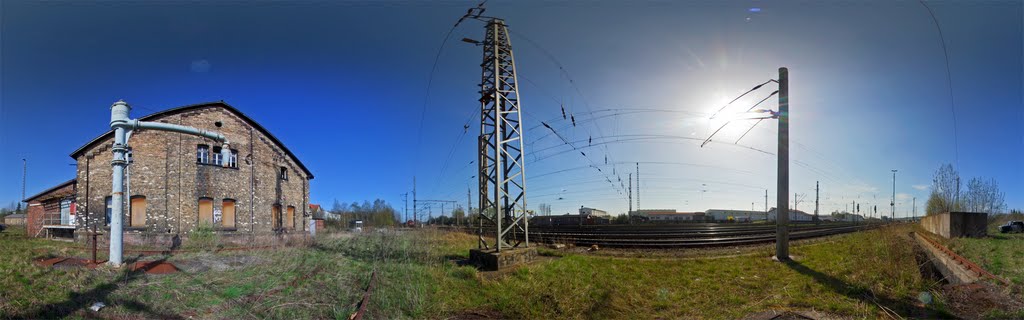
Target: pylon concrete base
x: 492, y: 260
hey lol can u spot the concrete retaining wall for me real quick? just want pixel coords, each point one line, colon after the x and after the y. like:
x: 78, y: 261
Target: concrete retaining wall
x: 952, y: 271
x: 957, y: 224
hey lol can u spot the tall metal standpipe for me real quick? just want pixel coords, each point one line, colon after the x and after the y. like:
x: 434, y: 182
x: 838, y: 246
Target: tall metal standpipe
x: 502, y: 171
x: 782, y: 196
x: 123, y: 127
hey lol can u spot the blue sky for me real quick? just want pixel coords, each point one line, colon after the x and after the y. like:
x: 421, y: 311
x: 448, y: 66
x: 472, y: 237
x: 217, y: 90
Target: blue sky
x: 344, y: 85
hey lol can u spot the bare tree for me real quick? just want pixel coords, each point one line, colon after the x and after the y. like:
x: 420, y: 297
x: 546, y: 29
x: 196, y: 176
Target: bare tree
x: 984, y: 196
x: 945, y: 195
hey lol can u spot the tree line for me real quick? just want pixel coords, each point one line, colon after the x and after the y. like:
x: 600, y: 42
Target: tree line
x: 376, y: 214
x: 980, y: 195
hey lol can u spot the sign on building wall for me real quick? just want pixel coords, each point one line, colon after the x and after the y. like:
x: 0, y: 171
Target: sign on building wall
x: 216, y: 216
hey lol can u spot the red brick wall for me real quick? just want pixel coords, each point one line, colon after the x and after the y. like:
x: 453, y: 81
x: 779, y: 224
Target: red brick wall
x: 34, y: 218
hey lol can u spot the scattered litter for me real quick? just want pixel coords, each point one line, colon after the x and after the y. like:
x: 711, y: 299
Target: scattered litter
x: 97, y: 306
x: 925, y: 297
x: 558, y: 246
x: 593, y: 248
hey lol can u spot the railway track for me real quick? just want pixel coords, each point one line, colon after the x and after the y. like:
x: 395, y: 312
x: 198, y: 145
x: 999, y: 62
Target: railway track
x: 683, y: 235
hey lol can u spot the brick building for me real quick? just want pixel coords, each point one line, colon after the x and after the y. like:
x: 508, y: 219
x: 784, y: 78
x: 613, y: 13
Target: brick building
x: 178, y: 183
x: 52, y: 213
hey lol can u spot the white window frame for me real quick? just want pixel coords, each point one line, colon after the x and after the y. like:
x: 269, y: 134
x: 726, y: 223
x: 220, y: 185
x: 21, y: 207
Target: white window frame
x: 202, y: 154
x: 217, y: 159
x: 233, y: 159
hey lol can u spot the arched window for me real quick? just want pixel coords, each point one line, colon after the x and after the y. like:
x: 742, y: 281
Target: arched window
x: 276, y: 216
x: 206, y: 212
x: 138, y: 211
x: 227, y: 216
x: 291, y: 218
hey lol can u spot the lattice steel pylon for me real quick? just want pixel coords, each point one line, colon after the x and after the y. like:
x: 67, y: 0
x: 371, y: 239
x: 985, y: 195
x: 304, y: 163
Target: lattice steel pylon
x: 502, y: 173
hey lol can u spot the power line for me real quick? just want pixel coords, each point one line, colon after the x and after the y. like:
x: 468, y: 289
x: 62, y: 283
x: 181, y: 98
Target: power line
x: 949, y: 83
x: 430, y: 79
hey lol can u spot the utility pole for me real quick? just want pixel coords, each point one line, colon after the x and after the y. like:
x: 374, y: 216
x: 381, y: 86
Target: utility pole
x: 817, y: 192
x: 915, y: 210
x: 892, y: 204
x: 415, y: 214
x: 782, y: 213
x: 630, y: 194
x: 469, y: 203
x: 500, y: 159
x: 24, y: 172
x: 638, y: 186
x: 405, y: 216
x: 766, y: 205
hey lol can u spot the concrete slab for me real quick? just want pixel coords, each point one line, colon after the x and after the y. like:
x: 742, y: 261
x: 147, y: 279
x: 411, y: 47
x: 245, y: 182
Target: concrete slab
x: 492, y: 260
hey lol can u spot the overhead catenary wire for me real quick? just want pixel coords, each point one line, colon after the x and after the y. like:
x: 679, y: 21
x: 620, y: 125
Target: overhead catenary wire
x: 748, y: 110
x: 566, y: 141
x: 563, y: 72
x: 430, y: 78
x: 949, y: 82
x: 713, y: 115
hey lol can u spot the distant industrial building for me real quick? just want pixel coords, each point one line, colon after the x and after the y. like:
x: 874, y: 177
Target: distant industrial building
x: 794, y: 215
x: 586, y: 216
x: 587, y: 212
x: 735, y: 215
x: 666, y: 215
x: 17, y: 219
x: 842, y: 217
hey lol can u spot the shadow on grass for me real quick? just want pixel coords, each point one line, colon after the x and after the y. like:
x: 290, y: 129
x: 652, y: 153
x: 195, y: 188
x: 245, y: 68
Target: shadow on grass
x: 904, y: 308
x: 80, y: 300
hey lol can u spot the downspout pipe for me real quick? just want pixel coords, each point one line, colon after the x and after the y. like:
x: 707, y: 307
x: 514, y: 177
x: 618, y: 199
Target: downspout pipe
x: 123, y: 127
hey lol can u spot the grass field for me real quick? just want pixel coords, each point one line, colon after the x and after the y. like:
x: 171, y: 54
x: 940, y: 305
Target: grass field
x: 1000, y: 254
x: 863, y: 275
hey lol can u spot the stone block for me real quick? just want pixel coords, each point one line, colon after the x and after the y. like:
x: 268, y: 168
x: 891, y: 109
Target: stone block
x: 492, y: 260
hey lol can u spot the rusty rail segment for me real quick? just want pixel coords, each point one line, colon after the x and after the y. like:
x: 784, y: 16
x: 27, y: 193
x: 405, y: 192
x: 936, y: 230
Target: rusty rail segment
x: 366, y: 298
x: 964, y: 261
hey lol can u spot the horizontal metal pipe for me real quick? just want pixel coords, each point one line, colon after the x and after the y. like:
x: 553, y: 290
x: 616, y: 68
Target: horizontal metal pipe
x: 136, y: 124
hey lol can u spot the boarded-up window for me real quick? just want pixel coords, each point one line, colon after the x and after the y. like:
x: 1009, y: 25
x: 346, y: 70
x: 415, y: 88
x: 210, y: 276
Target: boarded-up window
x: 291, y: 218
x: 138, y: 211
x: 228, y: 213
x: 206, y: 212
x: 276, y: 216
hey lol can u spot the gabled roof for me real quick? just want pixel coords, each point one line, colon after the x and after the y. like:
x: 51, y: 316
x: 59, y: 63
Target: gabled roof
x: 63, y: 184
x: 187, y: 108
